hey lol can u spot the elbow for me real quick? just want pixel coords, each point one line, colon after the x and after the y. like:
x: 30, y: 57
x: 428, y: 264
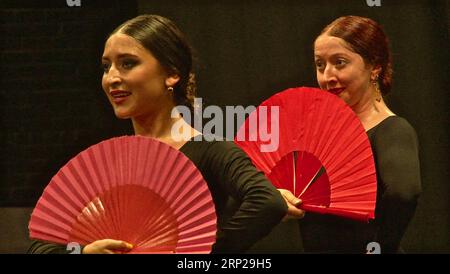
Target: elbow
x: 404, y: 193
x: 409, y: 197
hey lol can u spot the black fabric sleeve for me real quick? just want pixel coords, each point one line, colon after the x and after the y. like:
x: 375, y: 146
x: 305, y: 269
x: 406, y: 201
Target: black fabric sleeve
x: 40, y: 247
x: 262, y: 206
x: 229, y: 172
x: 398, y: 169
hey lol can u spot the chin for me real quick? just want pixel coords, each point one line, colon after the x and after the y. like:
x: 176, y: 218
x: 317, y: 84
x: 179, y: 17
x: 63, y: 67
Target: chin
x: 121, y: 114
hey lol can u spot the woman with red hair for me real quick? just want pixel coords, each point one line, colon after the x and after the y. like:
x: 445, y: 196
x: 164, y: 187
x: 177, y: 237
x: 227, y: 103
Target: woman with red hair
x: 353, y: 61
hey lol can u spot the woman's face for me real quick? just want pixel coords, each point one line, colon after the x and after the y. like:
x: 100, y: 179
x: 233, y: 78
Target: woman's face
x: 341, y: 71
x: 133, y: 80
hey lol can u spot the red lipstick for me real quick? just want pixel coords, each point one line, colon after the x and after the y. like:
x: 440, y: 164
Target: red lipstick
x: 119, y: 96
x: 336, y: 91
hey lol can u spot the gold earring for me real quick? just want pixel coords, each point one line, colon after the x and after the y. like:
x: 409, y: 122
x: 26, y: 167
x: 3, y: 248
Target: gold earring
x: 377, y: 89
x: 170, y: 89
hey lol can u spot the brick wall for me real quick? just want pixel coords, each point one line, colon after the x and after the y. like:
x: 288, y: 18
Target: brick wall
x: 52, y: 105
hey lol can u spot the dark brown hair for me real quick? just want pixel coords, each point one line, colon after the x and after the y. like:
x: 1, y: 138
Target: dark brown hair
x: 170, y: 47
x: 367, y: 38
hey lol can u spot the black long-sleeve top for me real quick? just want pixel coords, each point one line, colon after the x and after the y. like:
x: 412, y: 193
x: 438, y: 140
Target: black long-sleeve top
x: 395, y: 149
x: 247, y: 205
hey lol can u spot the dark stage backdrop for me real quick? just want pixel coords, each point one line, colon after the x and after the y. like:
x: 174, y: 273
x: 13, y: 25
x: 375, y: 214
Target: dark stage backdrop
x: 246, y: 51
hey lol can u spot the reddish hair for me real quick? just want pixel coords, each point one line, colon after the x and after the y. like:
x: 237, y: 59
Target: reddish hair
x: 367, y: 38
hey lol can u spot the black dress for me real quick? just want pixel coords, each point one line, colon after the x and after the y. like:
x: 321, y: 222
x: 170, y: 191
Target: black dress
x: 395, y: 148
x: 247, y: 205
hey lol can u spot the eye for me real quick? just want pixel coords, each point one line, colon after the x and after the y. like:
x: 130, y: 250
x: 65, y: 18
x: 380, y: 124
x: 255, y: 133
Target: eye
x: 320, y: 65
x: 105, y: 67
x: 340, y: 63
x: 129, y: 63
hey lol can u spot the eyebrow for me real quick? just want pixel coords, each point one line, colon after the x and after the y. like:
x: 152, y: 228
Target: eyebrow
x: 121, y: 56
x: 334, y: 55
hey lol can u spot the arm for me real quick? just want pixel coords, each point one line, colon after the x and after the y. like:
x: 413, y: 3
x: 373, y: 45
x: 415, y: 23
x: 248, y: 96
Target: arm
x: 105, y: 246
x: 396, y: 151
x: 38, y: 247
x: 261, y: 205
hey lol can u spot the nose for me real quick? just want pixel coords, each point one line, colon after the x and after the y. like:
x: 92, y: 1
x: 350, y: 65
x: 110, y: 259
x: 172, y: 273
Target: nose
x: 112, y: 77
x: 329, y: 77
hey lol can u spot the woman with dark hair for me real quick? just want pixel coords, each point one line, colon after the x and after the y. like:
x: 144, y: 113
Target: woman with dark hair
x: 353, y: 61
x: 147, y: 66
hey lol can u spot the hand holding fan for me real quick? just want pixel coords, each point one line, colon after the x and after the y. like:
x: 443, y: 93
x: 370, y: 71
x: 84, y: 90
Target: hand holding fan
x: 323, y: 156
x: 129, y: 188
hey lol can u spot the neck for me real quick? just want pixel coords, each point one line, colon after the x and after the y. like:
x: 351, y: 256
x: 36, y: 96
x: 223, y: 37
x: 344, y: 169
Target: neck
x: 156, y: 125
x: 159, y: 126
x: 371, y: 111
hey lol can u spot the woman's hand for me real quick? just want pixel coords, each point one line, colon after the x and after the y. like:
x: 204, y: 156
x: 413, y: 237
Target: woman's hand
x: 107, y: 246
x: 292, y: 203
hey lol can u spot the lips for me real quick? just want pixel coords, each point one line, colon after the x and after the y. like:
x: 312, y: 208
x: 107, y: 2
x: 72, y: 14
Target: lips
x: 336, y: 91
x: 119, y: 96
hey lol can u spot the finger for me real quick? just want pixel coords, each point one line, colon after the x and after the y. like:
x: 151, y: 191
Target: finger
x: 295, y: 212
x: 290, y: 198
x: 115, y: 244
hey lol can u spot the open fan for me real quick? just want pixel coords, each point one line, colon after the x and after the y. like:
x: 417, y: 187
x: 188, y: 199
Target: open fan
x: 129, y: 188
x: 323, y: 155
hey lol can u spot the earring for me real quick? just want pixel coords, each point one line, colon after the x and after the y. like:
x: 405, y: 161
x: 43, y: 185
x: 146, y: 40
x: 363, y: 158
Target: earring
x: 170, y: 89
x: 377, y: 89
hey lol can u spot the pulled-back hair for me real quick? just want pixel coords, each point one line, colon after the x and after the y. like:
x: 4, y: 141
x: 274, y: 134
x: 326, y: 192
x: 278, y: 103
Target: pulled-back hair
x: 367, y: 38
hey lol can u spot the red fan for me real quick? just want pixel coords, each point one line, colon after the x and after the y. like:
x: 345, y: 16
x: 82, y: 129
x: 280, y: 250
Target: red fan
x: 128, y: 188
x: 320, y: 152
